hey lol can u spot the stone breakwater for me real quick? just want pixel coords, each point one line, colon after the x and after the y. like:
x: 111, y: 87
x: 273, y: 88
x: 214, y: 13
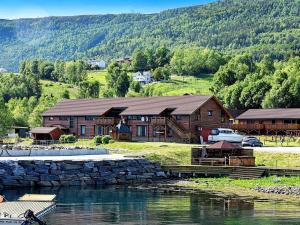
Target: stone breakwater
x: 78, y: 173
x: 279, y: 190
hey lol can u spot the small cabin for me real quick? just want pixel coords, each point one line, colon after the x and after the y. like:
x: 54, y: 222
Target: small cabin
x: 46, y: 133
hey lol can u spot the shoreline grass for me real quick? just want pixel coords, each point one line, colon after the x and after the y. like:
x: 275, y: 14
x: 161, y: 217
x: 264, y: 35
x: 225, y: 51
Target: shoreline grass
x: 244, y: 188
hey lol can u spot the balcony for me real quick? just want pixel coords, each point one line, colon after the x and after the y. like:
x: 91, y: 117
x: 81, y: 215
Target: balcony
x: 265, y: 126
x: 282, y: 126
x: 106, y: 121
x: 158, y: 121
x: 247, y: 126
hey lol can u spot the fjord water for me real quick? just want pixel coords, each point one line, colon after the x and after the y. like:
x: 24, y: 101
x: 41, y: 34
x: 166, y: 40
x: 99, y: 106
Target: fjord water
x: 111, y: 205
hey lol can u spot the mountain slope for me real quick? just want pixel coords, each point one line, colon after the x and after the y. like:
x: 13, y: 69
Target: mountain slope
x: 231, y: 25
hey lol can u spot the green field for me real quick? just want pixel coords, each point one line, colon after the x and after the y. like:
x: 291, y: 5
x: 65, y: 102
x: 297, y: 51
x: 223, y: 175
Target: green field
x: 56, y: 89
x: 178, y: 85
x: 182, y: 85
x: 97, y: 75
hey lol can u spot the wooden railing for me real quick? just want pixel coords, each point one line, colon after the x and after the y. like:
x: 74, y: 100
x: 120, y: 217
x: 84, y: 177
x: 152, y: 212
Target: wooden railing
x: 178, y: 129
x: 265, y: 126
x: 247, y: 126
x: 106, y: 121
x: 282, y: 126
x: 158, y: 121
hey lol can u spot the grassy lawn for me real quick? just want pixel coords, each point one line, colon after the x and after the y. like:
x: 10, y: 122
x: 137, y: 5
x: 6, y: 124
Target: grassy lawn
x: 180, y: 154
x: 56, y: 89
x: 273, y: 181
x: 289, y: 160
x: 244, y: 188
x: 270, y: 141
x: 181, y: 85
x: 97, y: 75
x: 161, y: 152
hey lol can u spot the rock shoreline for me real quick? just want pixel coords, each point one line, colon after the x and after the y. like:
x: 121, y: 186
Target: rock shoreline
x: 285, y: 190
x: 78, y: 173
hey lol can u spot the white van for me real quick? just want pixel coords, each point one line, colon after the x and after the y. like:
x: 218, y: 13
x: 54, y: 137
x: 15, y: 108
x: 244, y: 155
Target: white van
x: 224, y: 134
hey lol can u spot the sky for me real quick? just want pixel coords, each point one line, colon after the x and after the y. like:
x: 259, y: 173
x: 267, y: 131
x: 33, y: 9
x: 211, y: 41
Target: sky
x: 14, y: 9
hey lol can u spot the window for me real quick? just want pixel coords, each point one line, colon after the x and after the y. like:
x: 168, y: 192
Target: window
x: 273, y: 121
x: 178, y: 117
x: 51, y: 118
x: 210, y: 113
x: 89, y: 118
x: 141, y: 131
x: 100, y: 130
x: 222, y: 117
x: 82, y: 130
x: 72, y: 118
x: 64, y: 118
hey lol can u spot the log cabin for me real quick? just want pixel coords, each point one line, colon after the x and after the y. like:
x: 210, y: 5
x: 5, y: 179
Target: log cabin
x: 171, y: 118
x: 284, y: 121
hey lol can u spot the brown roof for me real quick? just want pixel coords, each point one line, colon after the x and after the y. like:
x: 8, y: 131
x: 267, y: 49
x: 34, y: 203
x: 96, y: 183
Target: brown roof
x: 43, y: 130
x: 291, y: 113
x: 223, y: 145
x: 182, y: 105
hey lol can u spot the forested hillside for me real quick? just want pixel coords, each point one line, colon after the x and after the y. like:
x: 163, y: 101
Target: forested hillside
x: 255, y: 26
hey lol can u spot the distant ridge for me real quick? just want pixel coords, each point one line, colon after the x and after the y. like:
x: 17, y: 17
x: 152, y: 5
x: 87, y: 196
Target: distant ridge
x: 255, y: 26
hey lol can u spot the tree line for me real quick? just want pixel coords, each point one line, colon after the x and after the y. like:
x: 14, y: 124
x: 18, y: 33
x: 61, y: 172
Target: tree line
x: 244, y: 82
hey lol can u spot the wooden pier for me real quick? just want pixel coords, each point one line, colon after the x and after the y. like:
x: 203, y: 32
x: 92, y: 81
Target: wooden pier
x: 14, y: 212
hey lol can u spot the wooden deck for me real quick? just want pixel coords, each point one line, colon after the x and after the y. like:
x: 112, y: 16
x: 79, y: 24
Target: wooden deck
x: 13, y: 212
x: 106, y: 121
x: 231, y: 171
x: 266, y: 128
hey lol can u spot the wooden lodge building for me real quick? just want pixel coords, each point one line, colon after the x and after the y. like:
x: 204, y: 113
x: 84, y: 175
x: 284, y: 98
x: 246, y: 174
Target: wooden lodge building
x: 269, y: 121
x: 171, y: 118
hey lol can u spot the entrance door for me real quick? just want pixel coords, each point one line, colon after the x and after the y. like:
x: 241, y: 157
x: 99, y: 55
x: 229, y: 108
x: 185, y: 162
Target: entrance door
x: 82, y: 130
x: 205, y: 133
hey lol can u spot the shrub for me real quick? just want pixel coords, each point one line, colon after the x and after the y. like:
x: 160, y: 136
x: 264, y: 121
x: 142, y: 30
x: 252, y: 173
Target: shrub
x: 98, y: 140
x: 67, y: 139
x: 106, y: 139
x: 111, y: 141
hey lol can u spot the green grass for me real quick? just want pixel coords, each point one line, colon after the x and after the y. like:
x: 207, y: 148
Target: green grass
x: 179, y: 85
x: 270, y: 141
x: 161, y: 152
x: 180, y: 154
x: 56, y: 89
x: 97, y: 75
x: 273, y: 181
x: 286, y: 160
x: 225, y: 186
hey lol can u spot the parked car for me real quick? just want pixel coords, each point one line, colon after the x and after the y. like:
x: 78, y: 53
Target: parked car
x: 251, y: 141
x: 224, y: 134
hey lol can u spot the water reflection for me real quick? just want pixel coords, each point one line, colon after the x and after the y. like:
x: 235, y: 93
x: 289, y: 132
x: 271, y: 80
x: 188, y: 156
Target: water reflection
x: 93, y: 206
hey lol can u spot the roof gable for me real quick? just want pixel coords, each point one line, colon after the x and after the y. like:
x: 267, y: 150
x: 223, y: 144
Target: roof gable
x: 182, y: 105
x: 269, y: 114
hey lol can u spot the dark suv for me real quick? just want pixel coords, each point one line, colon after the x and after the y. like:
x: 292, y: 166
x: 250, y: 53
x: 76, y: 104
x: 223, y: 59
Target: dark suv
x: 251, y: 141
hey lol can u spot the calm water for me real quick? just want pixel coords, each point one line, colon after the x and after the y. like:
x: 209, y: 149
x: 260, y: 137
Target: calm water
x: 91, y: 206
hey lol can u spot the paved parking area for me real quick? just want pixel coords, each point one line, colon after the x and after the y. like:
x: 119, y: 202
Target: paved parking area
x: 278, y: 149
x: 72, y: 158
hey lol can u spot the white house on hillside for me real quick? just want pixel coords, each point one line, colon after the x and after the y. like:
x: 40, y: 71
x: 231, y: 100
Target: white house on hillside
x: 97, y: 63
x: 143, y: 77
x: 3, y: 70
